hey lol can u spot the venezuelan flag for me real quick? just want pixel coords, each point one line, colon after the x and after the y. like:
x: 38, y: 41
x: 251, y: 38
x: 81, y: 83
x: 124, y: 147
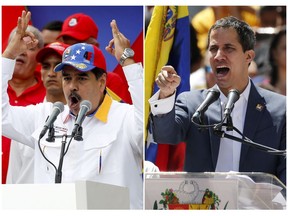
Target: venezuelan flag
x: 167, y: 43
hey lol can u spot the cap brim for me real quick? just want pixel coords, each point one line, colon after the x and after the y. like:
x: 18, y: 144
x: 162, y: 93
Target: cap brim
x: 79, y: 66
x: 42, y: 53
x: 76, y: 35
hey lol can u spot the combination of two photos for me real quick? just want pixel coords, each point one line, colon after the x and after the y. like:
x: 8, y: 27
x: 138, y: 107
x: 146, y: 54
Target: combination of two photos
x: 144, y: 107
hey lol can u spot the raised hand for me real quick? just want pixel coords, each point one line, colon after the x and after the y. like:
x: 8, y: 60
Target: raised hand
x: 119, y: 42
x: 167, y: 81
x: 22, y: 40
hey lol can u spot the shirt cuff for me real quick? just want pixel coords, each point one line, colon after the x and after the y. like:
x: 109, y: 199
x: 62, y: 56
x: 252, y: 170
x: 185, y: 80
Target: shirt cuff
x: 162, y: 106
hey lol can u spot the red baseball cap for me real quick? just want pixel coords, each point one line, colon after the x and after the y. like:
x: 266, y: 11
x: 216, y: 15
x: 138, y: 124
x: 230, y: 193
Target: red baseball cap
x: 55, y: 47
x: 80, y: 27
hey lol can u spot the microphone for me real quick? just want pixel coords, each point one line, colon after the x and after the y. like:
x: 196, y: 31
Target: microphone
x: 58, y: 107
x: 85, y: 106
x: 233, y: 96
x: 212, y: 96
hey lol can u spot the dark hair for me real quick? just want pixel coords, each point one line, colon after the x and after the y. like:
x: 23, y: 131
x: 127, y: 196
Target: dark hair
x: 273, y: 46
x: 55, y: 25
x: 245, y: 33
x: 98, y: 72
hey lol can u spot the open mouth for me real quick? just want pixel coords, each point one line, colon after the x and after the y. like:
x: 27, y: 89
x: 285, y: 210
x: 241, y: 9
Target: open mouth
x: 222, y: 71
x: 74, y: 99
x: 20, y: 61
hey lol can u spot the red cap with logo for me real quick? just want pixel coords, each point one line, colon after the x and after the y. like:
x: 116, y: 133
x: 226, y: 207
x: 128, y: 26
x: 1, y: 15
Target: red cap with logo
x: 80, y: 27
x: 55, y: 47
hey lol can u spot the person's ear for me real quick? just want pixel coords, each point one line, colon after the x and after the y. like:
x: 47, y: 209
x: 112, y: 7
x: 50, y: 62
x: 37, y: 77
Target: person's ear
x: 250, y: 55
x: 102, y: 80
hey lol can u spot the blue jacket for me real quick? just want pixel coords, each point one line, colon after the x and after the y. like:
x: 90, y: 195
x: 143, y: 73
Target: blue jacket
x: 265, y: 126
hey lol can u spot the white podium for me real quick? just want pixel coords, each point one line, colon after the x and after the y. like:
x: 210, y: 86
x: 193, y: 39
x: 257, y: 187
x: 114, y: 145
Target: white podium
x: 79, y: 195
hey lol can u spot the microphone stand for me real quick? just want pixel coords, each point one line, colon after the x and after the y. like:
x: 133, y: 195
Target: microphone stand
x: 249, y: 142
x: 58, y: 176
x: 51, y: 132
x: 51, y: 138
x: 229, y: 123
x: 217, y: 129
x: 78, y: 135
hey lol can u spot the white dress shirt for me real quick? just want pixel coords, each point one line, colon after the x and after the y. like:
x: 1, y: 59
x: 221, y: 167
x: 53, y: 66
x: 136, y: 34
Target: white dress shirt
x: 229, y: 151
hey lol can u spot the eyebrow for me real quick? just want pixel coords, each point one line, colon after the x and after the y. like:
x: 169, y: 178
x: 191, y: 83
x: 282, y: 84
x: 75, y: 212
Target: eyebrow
x: 81, y: 74
x: 48, y: 62
x: 229, y: 45
x: 225, y: 45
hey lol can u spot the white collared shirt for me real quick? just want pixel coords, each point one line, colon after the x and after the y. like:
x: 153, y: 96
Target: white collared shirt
x: 229, y: 151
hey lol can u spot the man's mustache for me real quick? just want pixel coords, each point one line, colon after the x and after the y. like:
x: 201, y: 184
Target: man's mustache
x: 75, y: 96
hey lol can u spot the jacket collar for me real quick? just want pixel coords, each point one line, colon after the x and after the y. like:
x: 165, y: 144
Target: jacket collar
x: 102, y: 113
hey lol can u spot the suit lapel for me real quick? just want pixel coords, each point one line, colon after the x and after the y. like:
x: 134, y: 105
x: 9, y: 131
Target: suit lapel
x: 255, y: 107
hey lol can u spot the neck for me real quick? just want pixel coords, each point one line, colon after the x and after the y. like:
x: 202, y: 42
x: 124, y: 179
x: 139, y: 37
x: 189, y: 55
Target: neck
x: 226, y: 91
x: 19, y: 85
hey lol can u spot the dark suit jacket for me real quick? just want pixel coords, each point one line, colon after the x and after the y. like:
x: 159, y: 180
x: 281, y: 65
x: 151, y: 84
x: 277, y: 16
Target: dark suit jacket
x: 266, y: 127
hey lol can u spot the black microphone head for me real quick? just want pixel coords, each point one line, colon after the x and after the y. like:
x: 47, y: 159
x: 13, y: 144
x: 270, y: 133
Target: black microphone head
x: 59, y: 105
x: 235, y: 92
x: 212, y: 95
x: 87, y: 104
x: 215, y: 92
x: 233, y: 96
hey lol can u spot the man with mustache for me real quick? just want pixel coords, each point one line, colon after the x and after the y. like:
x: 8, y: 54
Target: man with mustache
x: 81, y: 28
x: 259, y: 114
x: 112, y: 132
x: 21, y: 158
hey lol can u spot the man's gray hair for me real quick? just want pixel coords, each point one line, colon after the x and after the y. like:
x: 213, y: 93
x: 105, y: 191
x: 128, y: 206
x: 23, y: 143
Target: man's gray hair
x: 35, y: 31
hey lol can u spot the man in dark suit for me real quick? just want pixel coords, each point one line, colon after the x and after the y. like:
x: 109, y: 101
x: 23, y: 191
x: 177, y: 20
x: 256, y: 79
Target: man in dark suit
x: 259, y: 114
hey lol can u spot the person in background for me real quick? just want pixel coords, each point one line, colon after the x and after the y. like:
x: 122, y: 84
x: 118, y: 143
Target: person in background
x: 277, y: 59
x: 270, y: 16
x: 258, y: 114
x: 78, y: 28
x: 49, y: 57
x: 21, y: 160
x: 202, y: 78
x: 112, y: 146
x: 24, y: 88
x: 51, y: 31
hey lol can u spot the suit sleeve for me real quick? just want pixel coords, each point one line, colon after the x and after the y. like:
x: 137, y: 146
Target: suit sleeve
x: 171, y: 128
